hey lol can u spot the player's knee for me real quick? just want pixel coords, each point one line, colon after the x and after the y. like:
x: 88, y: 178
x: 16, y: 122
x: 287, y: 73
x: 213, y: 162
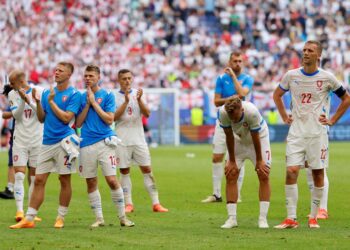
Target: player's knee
x: 292, y: 173
x: 232, y: 177
x: 146, y: 170
x: 125, y: 171
x: 39, y: 181
x: 217, y: 158
x: 263, y: 177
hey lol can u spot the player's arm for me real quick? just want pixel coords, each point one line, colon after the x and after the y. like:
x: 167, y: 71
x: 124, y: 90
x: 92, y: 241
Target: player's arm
x: 241, y: 91
x: 231, y: 166
x: 7, y: 115
x: 16, y: 107
x: 343, y: 106
x: 260, y: 164
x: 82, y: 116
x: 121, y: 109
x: 277, y: 97
x: 64, y: 116
x: 143, y: 108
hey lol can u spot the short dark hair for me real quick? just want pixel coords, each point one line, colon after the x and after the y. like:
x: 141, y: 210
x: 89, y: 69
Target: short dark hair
x: 92, y: 67
x: 235, y: 53
x: 318, y: 44
x: 232, y: 103
x: 68, y: 65
x: 124, y: 71
x: 7, y: 89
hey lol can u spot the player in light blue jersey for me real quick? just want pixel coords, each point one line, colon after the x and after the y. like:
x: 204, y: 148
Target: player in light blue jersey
x: 232, y: 83
x: 60, y: 148
x: 98, y: 145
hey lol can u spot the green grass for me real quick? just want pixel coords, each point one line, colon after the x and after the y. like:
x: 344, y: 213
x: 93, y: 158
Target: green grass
x: 182, y: 183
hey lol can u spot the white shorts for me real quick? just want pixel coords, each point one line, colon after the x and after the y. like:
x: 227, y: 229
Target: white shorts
x: 98, y: 153
x: 313, y: 149
x: 247, y: 152
x: 54, y: 159
x: 22, y: 155
x: 138, y: 154
x: 219, y: 139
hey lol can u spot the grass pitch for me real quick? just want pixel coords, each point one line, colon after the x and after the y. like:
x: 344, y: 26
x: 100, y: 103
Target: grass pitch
x: 182, y: 182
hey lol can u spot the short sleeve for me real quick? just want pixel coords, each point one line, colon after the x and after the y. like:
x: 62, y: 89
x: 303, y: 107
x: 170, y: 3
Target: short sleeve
x: 44, y: 99
x: 248, y: 83
x: 110, y: 105
x: 13, y: 101
x: 254, y: 119
x: 225, y: 121
x: 218, y: 85
x: 284, y: 84
x: 74, y: 102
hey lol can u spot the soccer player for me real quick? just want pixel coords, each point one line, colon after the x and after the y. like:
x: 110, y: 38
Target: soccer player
x: 8, y: 192
x: 232, y: 83
x: 130, y: 106
x: 247, y: 137
x: 309, y: 87
x: 96, y: 116
x: 28, y: 135
x: 57, y: 111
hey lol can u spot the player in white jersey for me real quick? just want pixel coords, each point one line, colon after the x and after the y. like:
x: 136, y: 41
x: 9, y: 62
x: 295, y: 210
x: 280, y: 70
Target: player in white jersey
x: 27, y: 136
x: 309, y: 87
x: 131, y: 105
x: 247, y: 137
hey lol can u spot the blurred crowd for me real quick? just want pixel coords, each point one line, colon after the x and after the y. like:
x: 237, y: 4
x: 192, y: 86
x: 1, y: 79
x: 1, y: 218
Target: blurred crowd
x: 171, y: 43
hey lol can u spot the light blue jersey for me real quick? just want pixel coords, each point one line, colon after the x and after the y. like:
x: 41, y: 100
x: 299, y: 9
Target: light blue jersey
x: 226, y: 88
x: 94, y: 129
x: 54, y: 129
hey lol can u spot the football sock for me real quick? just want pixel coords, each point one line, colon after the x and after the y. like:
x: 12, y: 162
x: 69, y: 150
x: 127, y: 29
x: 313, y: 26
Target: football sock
x: 316, y: 197
x: 291, y: 200
x: 31, y: 213
x: 125, y: 181
x: 218, y: 172
x: 240, y: 181
x: 150, y: 186
x: 62, y: 211
x: 95, y: 203
x: 19, y: 190
x: 264, y: 209
x: 232, y: 209
x: 118, y: 200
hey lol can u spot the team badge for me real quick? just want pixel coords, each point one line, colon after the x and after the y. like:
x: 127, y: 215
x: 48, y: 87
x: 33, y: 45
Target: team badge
x: 245, y: 124
x: 64, y: 98
x: 15, y: 158
x: 99, y: 100
x: 319, y: 85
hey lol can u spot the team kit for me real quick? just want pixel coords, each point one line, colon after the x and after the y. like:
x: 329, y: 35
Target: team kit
x: 45, y: 140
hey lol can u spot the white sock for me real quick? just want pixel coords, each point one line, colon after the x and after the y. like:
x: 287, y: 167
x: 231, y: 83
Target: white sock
x: 96, y: 204
x: 10, y: 186
x: 316, y: 197
x: 19, y: 190
x: 150, y: 186
x: 324, y: 200
x: 291, y: 200
x: 218, y: 173
x: 118, y: 200
x: 240, y: 181
x: 31, y: 213
x: 31, y: 187
x: 232, y: 210
x: 125, y: 181
x: 310, y: 179
x: 62, y: 211
x: 264, y: 209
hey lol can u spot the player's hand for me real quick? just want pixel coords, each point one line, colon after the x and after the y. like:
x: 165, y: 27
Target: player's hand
x: 262, y: 169
x: 52, y: 94
x: 35, y: 95
x: 23, y: 95
x: 288, y: 120
x: 324, y: 121
x: 230, y: 72
x: 139, y: 94
x: 126, y: 96
x: 90, y: 96
x: 231, y: 168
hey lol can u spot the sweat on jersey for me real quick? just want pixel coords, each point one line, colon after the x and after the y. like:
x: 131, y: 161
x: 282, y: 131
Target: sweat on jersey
x: 310, y: 99
x: 29, y: 131
x: 94, y: 129
x: 129, y: 127
x: 251, y: 121
x: 225, y: 87
x: 67, y: 100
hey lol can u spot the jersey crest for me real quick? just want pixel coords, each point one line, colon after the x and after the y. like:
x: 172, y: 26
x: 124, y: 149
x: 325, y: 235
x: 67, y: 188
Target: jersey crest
x: 64, y: 98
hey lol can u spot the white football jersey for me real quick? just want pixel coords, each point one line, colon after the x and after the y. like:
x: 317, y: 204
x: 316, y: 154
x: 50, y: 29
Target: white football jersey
x: 310, y: 98
x: 251, y: 120
x: 28, y: 129
x: 129, y: 127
